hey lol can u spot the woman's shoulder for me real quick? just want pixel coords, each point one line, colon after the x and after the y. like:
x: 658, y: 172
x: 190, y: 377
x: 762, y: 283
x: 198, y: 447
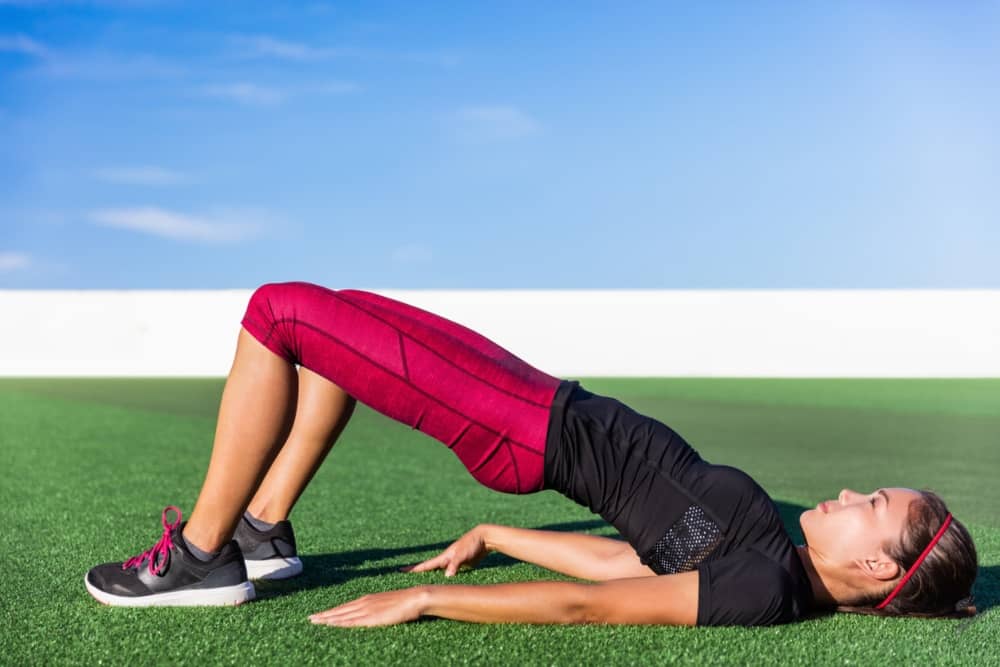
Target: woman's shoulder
x: 748, y: 587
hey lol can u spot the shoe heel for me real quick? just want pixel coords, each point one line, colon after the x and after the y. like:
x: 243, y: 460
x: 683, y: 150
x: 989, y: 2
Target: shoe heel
x: 271, y: 569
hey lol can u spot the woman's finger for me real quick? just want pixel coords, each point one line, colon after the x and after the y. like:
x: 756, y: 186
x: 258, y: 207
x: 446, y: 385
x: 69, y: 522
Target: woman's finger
x: 330, y: 613
x: 338, y: 620
x: 435, y: 563
x: 345, y: 608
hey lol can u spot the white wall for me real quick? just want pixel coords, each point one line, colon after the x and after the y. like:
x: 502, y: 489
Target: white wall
x: 778, y: 333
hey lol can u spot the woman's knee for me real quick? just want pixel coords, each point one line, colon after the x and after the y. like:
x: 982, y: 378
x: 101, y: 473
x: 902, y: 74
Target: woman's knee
x: 270, y: 314
x: 273, y: 298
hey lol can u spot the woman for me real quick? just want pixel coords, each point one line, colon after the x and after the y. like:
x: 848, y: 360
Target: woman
x: 710, y: 532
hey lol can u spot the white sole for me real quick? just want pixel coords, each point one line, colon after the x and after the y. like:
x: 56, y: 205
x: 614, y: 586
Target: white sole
x: 273, y: 568
x: 223, y: 596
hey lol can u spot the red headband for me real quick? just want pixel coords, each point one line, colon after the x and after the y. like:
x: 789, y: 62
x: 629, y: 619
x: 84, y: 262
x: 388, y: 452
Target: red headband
x: 916, y: 563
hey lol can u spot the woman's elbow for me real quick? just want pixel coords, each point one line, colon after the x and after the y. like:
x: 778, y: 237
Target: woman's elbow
x: 588, y: 607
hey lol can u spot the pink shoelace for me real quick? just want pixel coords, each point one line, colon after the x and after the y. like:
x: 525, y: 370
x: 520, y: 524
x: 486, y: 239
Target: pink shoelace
x: 158, y: 554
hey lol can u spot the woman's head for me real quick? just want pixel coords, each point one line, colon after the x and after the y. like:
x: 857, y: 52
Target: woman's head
x: 869, y: 542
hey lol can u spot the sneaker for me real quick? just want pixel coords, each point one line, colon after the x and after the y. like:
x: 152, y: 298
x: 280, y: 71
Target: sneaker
x: 269, y: 554
x: 170, y: 575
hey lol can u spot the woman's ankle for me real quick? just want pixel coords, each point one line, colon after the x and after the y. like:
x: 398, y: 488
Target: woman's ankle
x: 267, y: 512
x: 196, y: 548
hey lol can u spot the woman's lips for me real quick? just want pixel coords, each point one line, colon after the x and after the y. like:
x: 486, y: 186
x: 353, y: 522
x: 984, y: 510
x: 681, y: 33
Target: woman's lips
x: 822, y: 507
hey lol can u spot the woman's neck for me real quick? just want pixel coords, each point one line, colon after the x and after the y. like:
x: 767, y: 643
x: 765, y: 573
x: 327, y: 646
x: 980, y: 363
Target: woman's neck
x: 827, y: 589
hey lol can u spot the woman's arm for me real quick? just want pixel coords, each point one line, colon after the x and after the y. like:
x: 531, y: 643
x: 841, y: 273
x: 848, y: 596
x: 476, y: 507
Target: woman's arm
x: 583, y: 556
x: 664, y: 600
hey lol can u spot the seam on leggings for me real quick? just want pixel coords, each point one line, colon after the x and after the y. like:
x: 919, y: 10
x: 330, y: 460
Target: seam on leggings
x: 323, y: 332
x: 265, y: 341
x: 461, y: 434
x: 513, y: 460
x: 441, y: 356
x: 402, y: 355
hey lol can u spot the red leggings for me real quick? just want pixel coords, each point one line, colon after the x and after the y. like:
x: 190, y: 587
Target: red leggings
x: 455, y: 385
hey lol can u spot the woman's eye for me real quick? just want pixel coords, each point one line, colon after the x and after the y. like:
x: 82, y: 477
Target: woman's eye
x: 873, y: 502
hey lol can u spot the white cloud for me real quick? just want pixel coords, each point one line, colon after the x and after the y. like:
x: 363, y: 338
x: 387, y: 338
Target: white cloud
x: 252, y: 94
x: 221, y: 227
x: 14, y: 261
x: 494, y: 122
x: 412, y: 253
x: 23, y: 44
x: 330, y: 88
x: 246, y: 93
x: 263, y: 45
x: 438, y: 58
x: 96, y: 65
x: 108, y: 67
x: 139, y: 175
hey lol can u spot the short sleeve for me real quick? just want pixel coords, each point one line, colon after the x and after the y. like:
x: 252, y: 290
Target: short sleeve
x: 744, y: 588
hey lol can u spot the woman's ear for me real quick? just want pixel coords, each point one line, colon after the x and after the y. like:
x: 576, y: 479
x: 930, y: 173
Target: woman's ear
x: 878, y: 567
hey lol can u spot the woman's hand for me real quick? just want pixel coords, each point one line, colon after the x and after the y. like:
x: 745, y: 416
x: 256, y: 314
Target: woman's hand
x: 389, y: 608
x: 468, y: 550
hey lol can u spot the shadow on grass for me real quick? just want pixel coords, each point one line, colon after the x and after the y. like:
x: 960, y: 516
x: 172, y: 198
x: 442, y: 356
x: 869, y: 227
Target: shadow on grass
x: 790, y: 513
x: 324, y: 570
x: 987, y: 588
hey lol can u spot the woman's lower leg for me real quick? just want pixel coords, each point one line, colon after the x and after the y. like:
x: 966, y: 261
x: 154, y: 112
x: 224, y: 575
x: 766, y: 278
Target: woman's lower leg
x: 321, y: 414
x: 255, y: 416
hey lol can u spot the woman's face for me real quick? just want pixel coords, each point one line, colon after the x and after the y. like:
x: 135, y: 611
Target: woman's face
x: 853, y: 528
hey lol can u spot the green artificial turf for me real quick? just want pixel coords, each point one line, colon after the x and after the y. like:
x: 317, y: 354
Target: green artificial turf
x: 89, y: 463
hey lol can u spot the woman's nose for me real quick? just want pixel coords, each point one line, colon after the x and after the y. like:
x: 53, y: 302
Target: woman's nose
x: 845, y: 496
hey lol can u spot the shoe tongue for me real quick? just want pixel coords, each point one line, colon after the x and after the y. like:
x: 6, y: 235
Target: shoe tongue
x: 177, y: 537
x: 177, y: 540
x: 161, y: 561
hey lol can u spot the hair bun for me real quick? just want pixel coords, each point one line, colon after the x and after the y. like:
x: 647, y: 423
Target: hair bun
x: 966, y: 605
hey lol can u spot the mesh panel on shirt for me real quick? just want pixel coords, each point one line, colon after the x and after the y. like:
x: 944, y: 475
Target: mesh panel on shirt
x: 685, y: 544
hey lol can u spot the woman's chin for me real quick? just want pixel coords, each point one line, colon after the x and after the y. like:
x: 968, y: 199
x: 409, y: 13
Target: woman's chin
x: 805, y: 518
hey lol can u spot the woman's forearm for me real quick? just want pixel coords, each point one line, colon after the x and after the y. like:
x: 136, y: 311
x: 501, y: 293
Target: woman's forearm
x: 528, y: 602
x: 584, y: 556
x: 669, y: 600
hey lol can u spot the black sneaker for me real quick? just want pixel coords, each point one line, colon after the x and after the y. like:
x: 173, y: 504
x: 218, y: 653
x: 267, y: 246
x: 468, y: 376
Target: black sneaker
x: 269, y: 554
x: 170, y: 575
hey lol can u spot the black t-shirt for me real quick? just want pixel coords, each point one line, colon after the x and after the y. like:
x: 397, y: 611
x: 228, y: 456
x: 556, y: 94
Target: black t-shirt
x: 677, y: 510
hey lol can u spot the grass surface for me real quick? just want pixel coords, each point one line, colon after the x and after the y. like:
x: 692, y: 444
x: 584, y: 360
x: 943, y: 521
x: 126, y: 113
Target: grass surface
x: 89, y: 464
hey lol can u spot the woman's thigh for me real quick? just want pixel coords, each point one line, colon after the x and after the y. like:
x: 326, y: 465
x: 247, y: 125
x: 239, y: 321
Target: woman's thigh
x: 487, y: 405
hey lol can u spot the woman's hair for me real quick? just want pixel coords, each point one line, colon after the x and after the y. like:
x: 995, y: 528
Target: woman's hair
x: 942, y: 584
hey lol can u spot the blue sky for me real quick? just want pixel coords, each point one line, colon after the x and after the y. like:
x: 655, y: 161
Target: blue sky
x: 148, y: 144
